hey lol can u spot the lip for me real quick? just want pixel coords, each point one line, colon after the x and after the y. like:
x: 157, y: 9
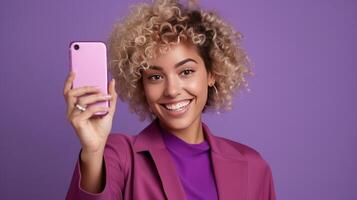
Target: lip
x: 174, y: 102
x: 177, y: 113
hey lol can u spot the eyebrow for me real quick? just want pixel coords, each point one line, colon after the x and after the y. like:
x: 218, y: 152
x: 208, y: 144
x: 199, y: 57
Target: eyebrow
x: 176, y: 65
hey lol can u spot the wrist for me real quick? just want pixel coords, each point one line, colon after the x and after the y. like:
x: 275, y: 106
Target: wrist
x: 92, y: 156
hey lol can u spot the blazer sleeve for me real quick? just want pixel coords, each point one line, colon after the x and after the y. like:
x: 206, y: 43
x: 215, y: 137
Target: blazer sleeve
x: 269, y: 189
x: 115, y: 161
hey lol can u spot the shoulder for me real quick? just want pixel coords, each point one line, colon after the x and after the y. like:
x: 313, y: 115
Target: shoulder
x: 234, y: 148
x: 119, y: 138
x: 242, y: 148
x: 119, y: 147
x: 258, y: 170
x: 119, y: 142
x: 119, y: 151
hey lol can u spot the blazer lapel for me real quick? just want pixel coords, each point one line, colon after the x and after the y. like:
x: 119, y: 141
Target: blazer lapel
x: 150, y: 139
x: 169, y: 177
x: 230, y: 169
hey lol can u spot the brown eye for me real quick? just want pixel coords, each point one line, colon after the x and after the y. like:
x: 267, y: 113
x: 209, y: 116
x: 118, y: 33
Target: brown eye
x: 187, y: 72
x: 154, y: 77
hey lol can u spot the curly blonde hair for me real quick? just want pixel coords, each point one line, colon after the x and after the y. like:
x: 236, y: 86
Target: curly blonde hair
x: 149, y: 31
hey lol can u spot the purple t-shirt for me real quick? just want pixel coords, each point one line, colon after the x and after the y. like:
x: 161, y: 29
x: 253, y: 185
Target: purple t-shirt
x: 193, y: 164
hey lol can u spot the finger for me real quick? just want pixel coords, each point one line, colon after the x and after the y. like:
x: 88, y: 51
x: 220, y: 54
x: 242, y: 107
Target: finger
x: 67, y: 88
x: 73, y: 94
x: 68, y: 83
x: 82, y: 118
x: 90, y: 112
x: 73, y: 111
x: 76, y: 92
x: 94, y: 98
x: 84, y: 101
x: 71, y: 101
x: 113, y: 100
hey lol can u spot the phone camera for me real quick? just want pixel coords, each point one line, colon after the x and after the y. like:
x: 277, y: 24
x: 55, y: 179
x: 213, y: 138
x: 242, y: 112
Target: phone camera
x: 76, y: 47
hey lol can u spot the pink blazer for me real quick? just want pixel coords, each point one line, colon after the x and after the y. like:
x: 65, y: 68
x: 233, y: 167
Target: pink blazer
x: 140, y: 168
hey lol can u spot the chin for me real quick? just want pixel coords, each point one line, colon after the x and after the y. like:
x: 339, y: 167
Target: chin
x: 175, y: 124
x: 177, y: 121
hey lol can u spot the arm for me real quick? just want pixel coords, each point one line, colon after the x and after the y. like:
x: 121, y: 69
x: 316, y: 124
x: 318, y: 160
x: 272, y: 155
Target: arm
x: 90, y: 175
x: 93, y: 171
x: 111, y: 174
x: 269, y: 189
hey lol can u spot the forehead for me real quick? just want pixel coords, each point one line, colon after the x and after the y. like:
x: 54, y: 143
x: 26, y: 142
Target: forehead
x: 175, y: 54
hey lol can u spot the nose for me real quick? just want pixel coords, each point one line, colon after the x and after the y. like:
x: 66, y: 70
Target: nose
x: 172, y: 87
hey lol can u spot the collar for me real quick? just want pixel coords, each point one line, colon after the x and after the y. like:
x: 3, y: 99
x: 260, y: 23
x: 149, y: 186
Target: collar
x: 230, y: 167
x: 150, y: 138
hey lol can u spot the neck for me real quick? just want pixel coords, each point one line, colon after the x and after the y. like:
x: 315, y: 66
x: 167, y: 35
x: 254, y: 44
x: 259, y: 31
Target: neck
x: 193, y: 134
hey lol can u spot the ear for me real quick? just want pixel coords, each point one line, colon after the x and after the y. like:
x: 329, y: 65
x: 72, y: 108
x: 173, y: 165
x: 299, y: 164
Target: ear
x: 210, y: 79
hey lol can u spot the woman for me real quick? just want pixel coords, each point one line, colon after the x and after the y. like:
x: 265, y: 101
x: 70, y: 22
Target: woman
x: 171, y: 63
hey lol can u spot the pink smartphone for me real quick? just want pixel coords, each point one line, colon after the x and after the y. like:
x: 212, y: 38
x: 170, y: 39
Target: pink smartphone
x: 89, y: 63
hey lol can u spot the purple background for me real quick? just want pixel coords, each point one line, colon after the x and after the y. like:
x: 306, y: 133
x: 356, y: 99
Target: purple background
x: 300, y: 113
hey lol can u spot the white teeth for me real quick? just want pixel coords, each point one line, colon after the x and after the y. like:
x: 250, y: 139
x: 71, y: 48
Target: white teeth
x: 177, y: 106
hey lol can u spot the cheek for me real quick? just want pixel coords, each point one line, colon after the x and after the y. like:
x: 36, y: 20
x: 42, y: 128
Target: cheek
x: 198, y: 87
x: 152, y: 93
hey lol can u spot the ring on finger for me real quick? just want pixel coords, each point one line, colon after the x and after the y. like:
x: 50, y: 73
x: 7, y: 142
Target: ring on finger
x: 81, y: 108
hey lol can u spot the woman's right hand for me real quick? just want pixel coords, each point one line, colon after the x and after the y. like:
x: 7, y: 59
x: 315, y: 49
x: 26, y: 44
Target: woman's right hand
x: 91, y: 130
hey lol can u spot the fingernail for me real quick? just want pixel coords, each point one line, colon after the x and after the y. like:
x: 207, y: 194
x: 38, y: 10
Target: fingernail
x: 108, y: 96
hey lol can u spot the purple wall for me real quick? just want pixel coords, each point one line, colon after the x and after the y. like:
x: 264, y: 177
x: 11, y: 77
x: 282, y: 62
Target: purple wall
x: 300, y: 114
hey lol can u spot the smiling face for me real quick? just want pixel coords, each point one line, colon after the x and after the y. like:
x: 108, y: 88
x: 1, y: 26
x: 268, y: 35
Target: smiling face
x: 176, y: 87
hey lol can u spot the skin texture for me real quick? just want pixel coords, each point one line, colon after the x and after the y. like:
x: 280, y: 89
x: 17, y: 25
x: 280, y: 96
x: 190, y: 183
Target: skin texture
x: 92, y: 132
x: 178, y: 75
